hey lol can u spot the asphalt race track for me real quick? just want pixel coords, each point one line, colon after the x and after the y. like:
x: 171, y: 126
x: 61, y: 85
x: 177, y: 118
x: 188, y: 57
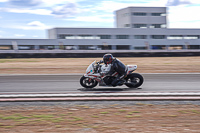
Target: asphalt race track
x: 70, y: 83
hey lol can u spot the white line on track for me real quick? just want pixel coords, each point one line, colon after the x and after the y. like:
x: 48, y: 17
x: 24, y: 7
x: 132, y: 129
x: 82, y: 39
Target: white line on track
x: 100, y: 95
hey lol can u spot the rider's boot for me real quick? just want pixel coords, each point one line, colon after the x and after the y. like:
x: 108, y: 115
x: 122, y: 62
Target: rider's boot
x: 120, y: 83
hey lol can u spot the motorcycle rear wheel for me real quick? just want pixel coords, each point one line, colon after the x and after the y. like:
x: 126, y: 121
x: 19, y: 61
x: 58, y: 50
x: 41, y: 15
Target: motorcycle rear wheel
x: 88, y: 82
x: 134, y: 80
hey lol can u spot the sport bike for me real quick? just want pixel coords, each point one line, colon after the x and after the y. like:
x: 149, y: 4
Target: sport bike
x: 96, y: 73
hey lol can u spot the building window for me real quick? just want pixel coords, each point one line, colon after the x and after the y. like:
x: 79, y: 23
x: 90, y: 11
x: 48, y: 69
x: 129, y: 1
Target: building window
x: 193, y: 46
x: 140, y: 48
x: 158, y: 36
x: 6, y: 47
x: 191, y: 37
x: 85, y: 37
x: 70, y: 47
x: 126, y: 25
x: 175, y: 47
x: 104, y: 36
x: 122, y: 36
x: 122, y: 47
x: 140, y: 36
x: 139, y: 13
x: 125, y: 14
x: 158, y: 47
x: 49, y: 47
x: 158, y: 14
x: 104, y: 47
x: 25, y: 47
x: 175, y: 37
x: 163, y: 25
x: 183, y: 37
x: 61, y: 36
x: 87, y: 47
x: 156, y: 26
x: 70, y: 37
x: 139, y: 25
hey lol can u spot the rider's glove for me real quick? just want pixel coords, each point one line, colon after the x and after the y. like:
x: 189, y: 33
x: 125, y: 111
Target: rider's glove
x: 100, y: 61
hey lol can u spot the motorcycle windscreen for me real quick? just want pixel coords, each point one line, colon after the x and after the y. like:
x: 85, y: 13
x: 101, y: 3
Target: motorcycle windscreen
x: 90, y: 68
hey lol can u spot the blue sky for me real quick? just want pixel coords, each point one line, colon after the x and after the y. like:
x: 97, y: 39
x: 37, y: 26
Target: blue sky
x: 32, y: 18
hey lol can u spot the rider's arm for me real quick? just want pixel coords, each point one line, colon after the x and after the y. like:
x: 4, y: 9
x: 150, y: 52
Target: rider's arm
x: 112, y: 69
x: 100, y: 61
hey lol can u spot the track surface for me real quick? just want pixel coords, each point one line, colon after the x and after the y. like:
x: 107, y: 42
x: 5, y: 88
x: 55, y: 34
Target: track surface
x: 70, y: 83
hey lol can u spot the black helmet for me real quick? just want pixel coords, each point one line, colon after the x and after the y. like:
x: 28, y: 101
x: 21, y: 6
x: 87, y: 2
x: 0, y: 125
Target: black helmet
x: 107, y: 58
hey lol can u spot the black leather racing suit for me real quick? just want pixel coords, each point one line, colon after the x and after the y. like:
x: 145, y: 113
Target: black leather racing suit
x: 120, y: 68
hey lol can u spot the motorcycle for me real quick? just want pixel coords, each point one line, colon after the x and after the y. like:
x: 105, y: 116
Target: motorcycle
x: 96, y: 73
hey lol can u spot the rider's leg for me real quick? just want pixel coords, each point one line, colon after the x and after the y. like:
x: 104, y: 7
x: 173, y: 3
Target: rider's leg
x: 118, y: 80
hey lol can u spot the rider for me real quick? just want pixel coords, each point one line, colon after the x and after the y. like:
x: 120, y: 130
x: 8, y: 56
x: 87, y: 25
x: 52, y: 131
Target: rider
x: 116, y: 66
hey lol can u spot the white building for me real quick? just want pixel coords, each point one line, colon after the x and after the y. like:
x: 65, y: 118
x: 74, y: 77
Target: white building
x: 138, y: 28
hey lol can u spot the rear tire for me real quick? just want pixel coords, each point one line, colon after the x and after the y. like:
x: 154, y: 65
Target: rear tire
x: 134, y: 80
x: 88, y: 82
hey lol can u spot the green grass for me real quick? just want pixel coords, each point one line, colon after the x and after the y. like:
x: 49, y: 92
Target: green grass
x: 129, y: 116
x: 195, y: 111
x: 104, y: 112
x: 183, y: 111
x: 58, y: 126
x: 6, y: 126
x: 94, y: 127
x: 76, y: 118
x: 36, y: 118
x: 43, y: 116
x: 95, y: 116
x: 69, y: 113
x: 116, y: 113
x: 133, y: 116
x: 137, y: 116
x: 189, y: 111
x: 170, y: 116
x: 135, y: 112
x: 13, y: 117
x: 56, y: 120
x: 132, y: 112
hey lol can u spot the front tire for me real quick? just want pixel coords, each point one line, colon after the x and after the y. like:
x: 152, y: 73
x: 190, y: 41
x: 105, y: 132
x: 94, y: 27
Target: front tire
x: 88, y: 82
x: 134, y: 80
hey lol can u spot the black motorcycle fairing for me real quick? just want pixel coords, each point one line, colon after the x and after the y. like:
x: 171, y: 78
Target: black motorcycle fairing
x: 108, y: 80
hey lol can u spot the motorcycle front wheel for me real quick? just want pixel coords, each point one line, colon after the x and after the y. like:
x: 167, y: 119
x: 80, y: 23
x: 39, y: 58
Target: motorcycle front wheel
x: 134, y: 80
x: 88, y: 82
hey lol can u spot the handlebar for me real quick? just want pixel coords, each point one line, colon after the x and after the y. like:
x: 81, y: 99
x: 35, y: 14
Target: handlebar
x: 97, y: 67
x: 100, y: 62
